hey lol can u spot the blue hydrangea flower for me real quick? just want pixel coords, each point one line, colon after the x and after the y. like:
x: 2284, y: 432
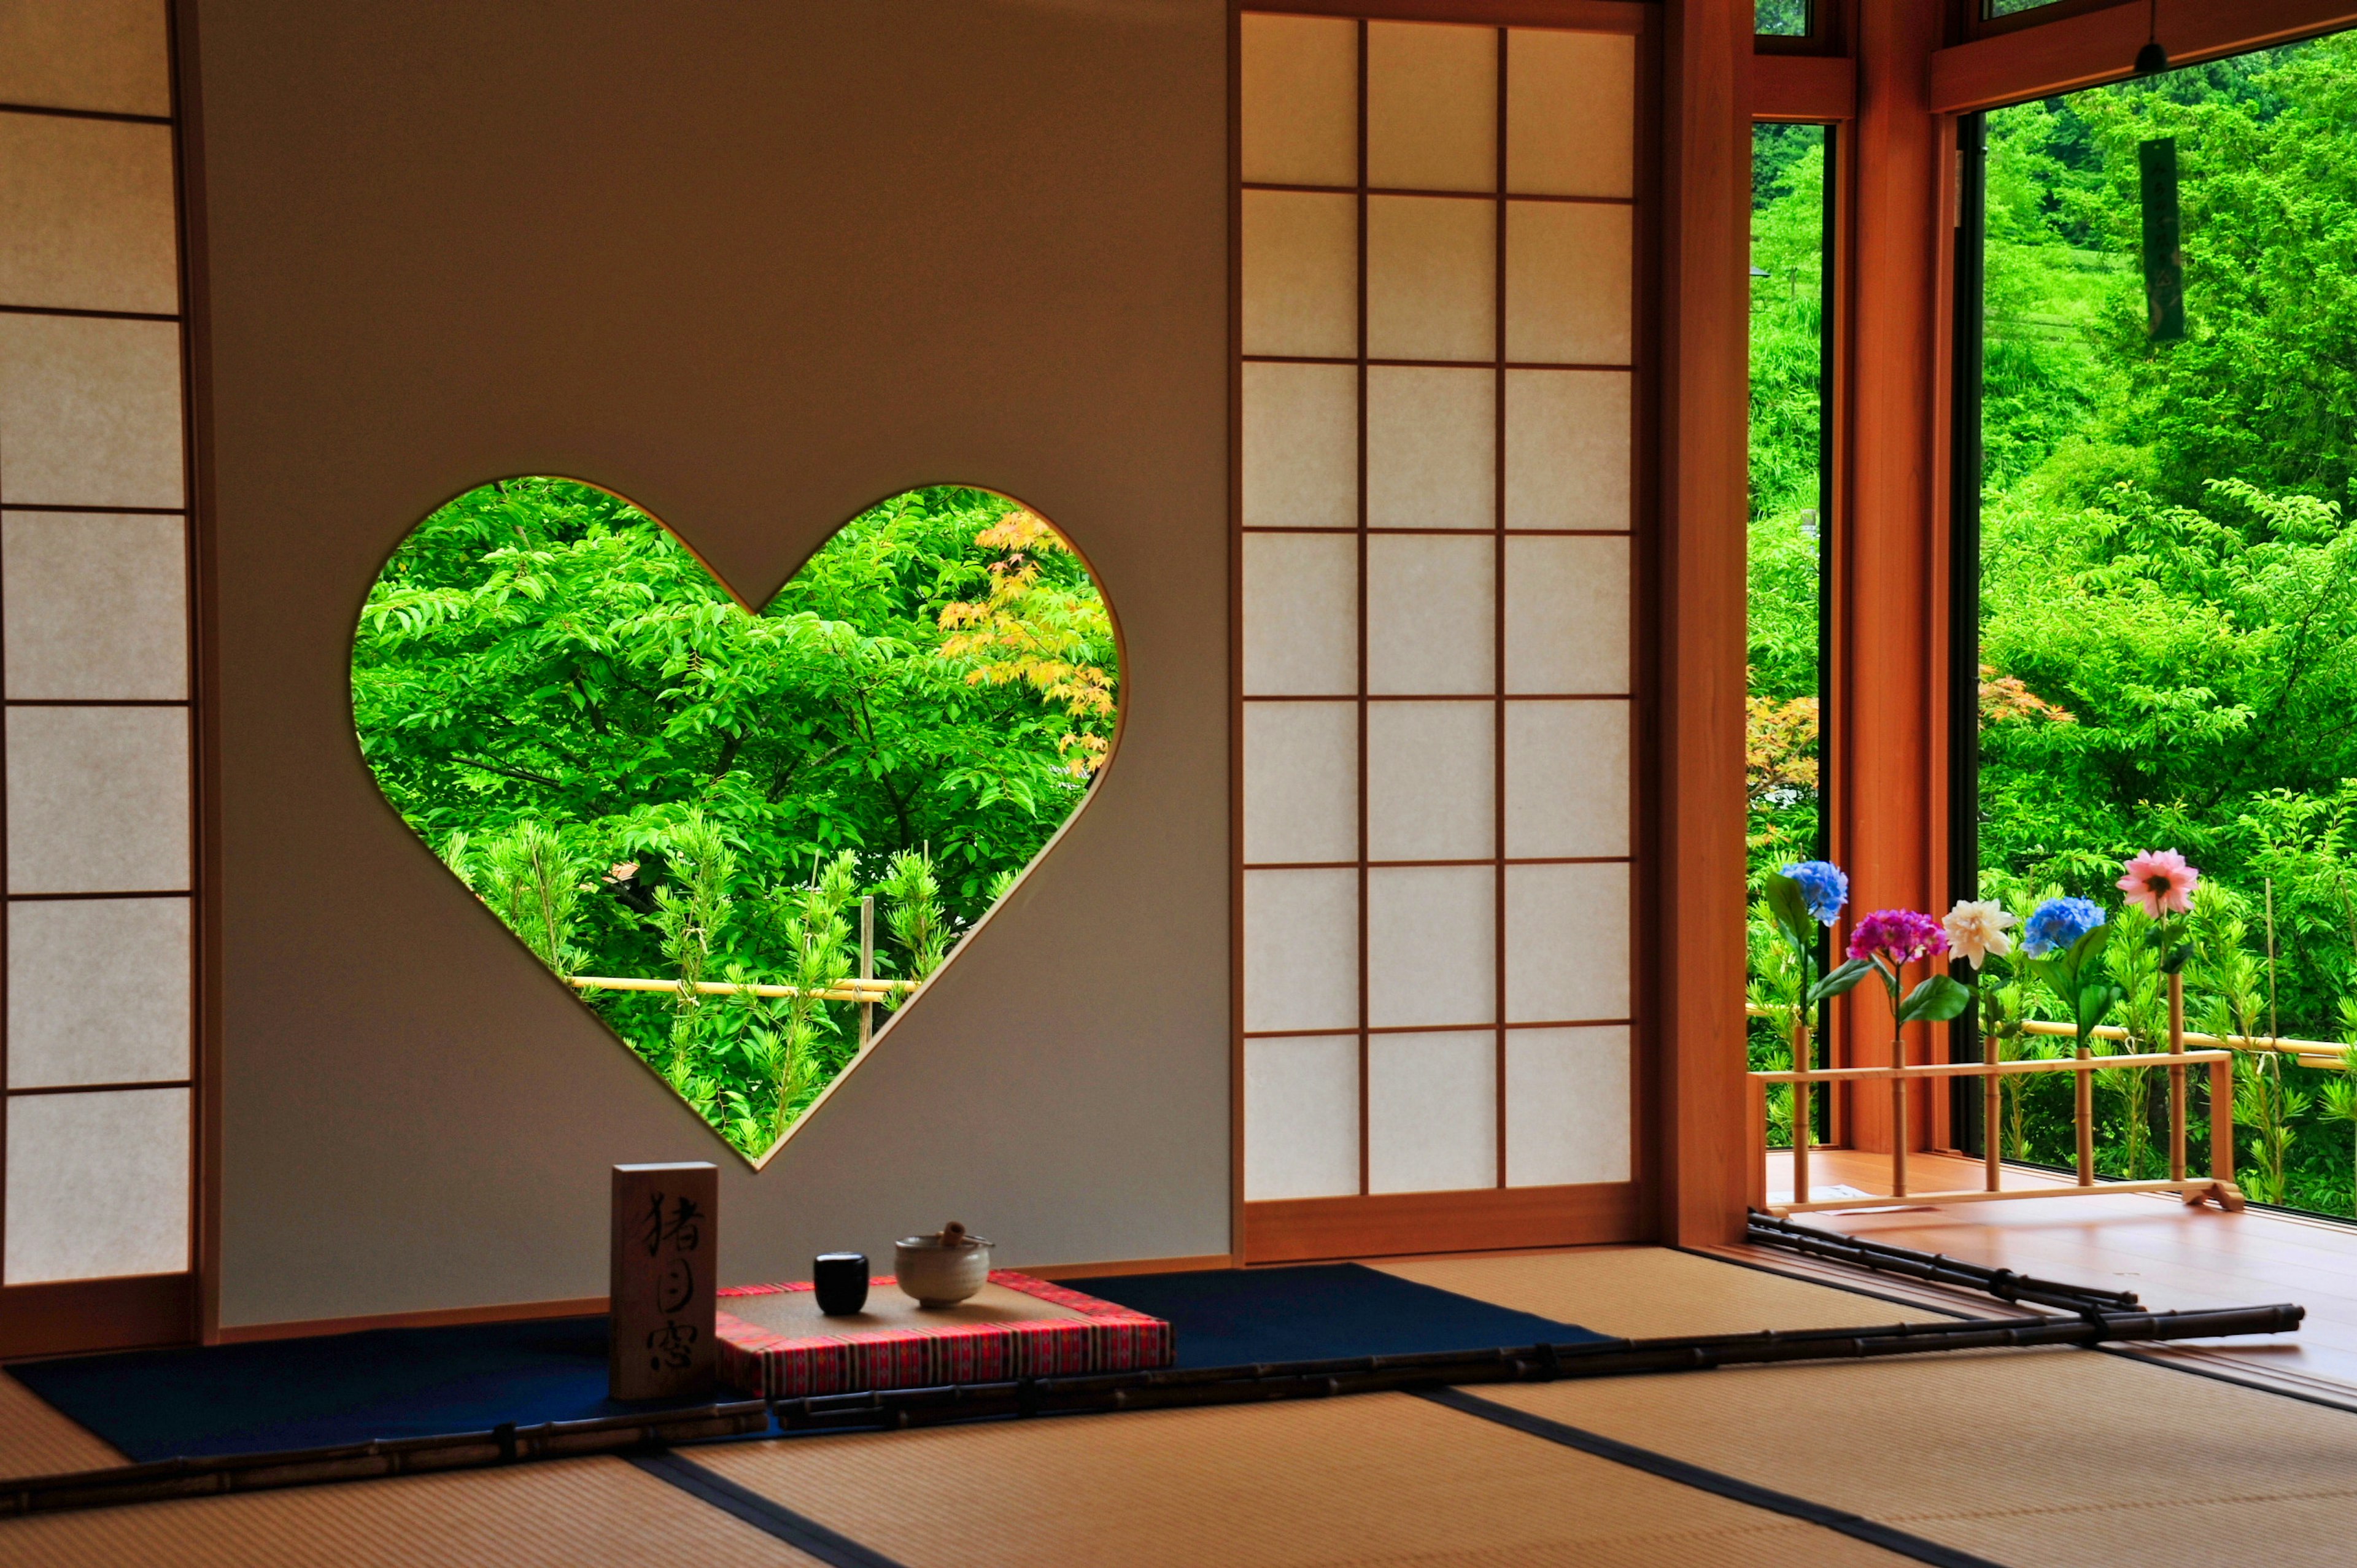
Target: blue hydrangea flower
x: 1824, y: 887
x: 2058, y: 923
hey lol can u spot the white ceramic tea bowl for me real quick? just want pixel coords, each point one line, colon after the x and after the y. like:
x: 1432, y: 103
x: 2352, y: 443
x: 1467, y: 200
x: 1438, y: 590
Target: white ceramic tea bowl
x: 938, y: 1275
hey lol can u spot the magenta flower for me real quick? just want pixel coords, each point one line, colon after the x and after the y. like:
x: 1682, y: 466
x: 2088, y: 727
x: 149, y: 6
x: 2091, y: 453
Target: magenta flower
x: 2160, y: 881
x: 1896, y: 936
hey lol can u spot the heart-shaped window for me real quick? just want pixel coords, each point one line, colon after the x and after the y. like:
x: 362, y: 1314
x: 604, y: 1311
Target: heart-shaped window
x: 656, y: 788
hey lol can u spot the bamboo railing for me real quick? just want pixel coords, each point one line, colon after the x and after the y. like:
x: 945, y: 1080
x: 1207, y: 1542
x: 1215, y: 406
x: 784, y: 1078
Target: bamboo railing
x: 865, y: 989
x: 2185, y: 1051
x: 869, y: 991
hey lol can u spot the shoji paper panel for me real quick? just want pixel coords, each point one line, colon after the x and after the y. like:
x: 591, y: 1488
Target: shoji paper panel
x: 1301, y: 781
x: 1301, y: 446
x: 98, y: 990
x: 1458, y: 796
x: 98, y: 800
x: 106, y: 55
x: 1567, y: 1106
x: 90, y: 412
x: 1300, y: 92
x: 1567, y: 943
x: 1432, y: 1111
x: 1309, y: 1086
x: 1301, y: 950
x: 1432, y: 107
x: 1431, y: 780
x: 1571, y: 113
x: 1301, y: 273
x: 98, y: 1184
x: 1430, y: 616
x: 86, y: 214
x: 1432, y: 943
x: 1567, y: 779
x: 1568, y: 615
x: 1567, y: 446
x: 1431, y: 269
x: 1568, y: 282
x: 93, y: 650
x: 93, y: 606
x: 1432, y: 448
x: 1301, y: 615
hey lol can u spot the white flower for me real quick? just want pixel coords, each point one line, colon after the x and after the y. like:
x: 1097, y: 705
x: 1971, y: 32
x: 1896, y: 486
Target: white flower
x: 1976, y: 929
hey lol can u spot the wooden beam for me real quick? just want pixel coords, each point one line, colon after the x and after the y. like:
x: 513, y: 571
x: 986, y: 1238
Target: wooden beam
x: 1573, y: 16
x: 1694, y: 1042
x: 2096, y: 47
x: 1807, y: 89
x: 1888, y: 788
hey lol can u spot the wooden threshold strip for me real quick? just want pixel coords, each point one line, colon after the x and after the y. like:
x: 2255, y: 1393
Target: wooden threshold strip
x: 1479, y: 1219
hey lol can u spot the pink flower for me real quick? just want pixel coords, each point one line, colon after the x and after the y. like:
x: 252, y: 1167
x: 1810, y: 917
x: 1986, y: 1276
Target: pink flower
x: 1896, y: 936
x: 2160, y: 881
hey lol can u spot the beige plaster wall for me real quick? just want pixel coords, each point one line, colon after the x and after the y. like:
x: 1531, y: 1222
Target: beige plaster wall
x: 754, y: 265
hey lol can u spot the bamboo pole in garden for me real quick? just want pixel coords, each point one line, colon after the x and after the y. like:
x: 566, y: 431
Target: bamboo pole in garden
x: 1899, y: 1115
x: 2175, y: 1079
x: 2086, y: 1119
x: 848, y: 991
x: 1992, y: 1113
x: 1801, y: 1065
x: 867, y: 967
x: 2221, y: 1119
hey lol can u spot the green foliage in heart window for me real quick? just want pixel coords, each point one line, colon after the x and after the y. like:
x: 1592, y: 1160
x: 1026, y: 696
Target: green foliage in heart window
x: 646, y: 782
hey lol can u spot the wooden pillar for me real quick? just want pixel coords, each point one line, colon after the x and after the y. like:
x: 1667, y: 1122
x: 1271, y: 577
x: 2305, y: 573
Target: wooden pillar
x: 1887, y: 763
x: 1695, y: 974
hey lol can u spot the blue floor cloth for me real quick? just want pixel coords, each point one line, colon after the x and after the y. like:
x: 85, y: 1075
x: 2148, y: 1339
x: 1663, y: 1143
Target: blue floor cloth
x: 346, y: 1388
x: 1234, y: 1317
x: 280, y: 1394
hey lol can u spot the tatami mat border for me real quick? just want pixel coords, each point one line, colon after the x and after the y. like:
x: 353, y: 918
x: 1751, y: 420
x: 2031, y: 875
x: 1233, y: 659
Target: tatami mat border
x: 765, y: 1514
x: 1889, y: 1538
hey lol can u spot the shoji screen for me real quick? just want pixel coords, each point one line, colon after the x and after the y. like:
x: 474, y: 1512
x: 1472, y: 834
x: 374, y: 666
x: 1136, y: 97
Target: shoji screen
x: 1438, y: 233
x: 95, y: 783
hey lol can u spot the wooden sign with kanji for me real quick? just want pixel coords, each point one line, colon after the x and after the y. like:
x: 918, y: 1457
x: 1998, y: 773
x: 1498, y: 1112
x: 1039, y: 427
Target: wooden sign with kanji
x: 665, y: 1264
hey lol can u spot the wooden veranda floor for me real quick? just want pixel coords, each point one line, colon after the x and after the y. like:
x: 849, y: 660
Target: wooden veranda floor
x: 2171, y: 1256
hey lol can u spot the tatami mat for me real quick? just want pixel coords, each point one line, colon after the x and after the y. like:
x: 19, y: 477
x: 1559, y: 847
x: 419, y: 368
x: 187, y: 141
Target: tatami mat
x: 1643, y: 1293
x: 35, y: 1440
x: 2048, y: 1459
x: 2038, y: 1459
x: 1372, y: 1479
x: 580, y: 1513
